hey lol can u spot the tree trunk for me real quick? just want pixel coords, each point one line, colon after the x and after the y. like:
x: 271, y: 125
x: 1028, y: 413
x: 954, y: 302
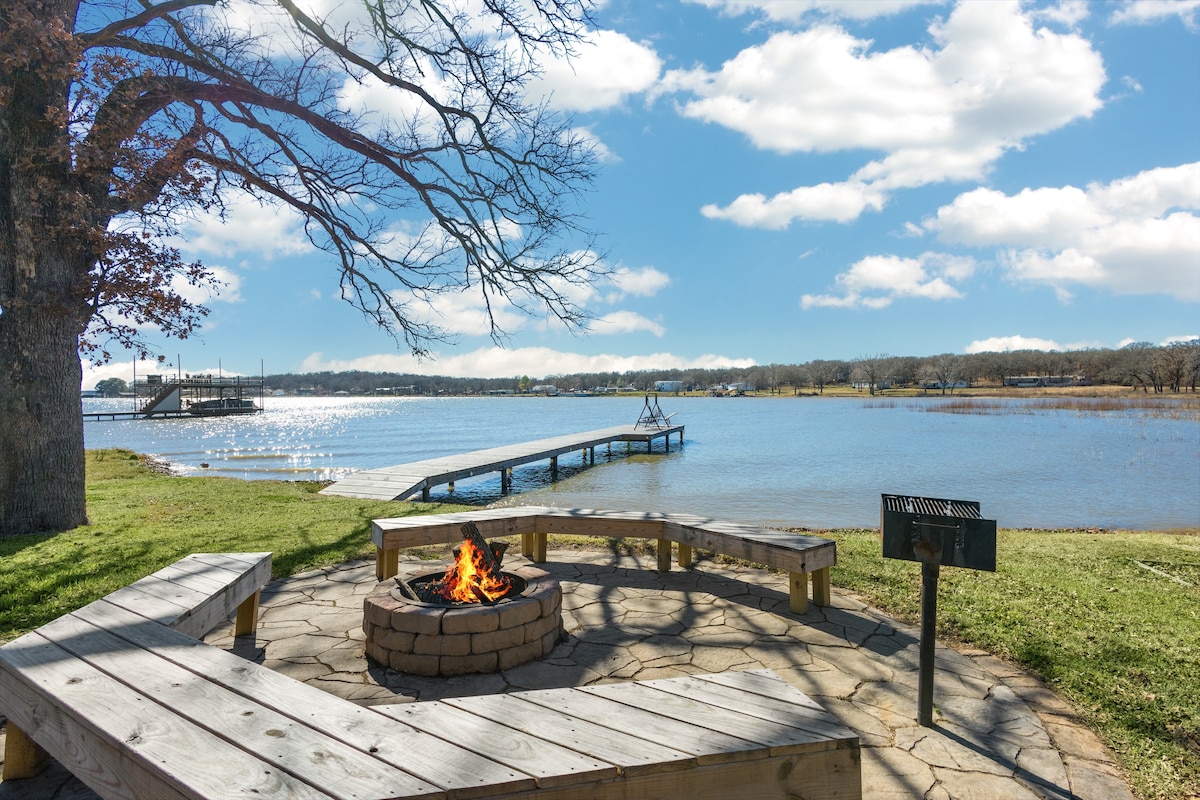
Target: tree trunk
x: 46, y: 251
x: 41, y: 427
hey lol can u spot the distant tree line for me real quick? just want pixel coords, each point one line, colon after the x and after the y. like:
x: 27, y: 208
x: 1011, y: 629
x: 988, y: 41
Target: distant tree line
x: 1174, y: 367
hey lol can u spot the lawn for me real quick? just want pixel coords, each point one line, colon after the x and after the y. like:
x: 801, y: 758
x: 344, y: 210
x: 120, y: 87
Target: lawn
x: 1111, y: 620
x: 142, y: 520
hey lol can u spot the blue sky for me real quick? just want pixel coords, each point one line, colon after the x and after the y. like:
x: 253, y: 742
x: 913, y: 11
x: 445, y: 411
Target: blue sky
x: 797, y: 179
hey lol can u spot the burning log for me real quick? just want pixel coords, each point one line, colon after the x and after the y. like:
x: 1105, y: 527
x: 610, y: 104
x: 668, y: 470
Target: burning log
x: 475, y: 575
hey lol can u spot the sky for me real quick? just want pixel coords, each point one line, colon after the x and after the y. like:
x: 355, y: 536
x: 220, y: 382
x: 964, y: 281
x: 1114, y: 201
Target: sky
x: 789, y: 180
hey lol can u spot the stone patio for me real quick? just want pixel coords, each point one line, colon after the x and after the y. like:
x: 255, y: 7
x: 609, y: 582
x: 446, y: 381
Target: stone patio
x: 999, y: 732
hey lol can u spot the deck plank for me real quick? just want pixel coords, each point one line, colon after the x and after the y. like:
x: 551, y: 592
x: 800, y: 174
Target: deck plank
x: 459, y: 772
x: 631, y: 754
x: 708, y: 746
x: 780, y: 738
x: 289, y: 745
x: 90, y: 711
x: 549, y: 763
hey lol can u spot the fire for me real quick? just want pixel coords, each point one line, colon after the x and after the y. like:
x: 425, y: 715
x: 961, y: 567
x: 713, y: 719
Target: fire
x: 474, y: 577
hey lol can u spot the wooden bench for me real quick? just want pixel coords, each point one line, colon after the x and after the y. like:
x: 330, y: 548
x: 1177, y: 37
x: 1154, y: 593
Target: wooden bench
x: 192, y: 596
x: 797, y: 554
x: 137, y: 709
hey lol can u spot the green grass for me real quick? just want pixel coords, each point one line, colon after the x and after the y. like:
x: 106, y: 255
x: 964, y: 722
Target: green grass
x: 1073, y: 607
x: 141, y: 520
x: 1120, y: 641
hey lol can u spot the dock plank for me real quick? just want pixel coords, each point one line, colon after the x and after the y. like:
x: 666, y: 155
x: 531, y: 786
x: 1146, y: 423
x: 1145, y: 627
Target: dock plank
x: 404, y: 480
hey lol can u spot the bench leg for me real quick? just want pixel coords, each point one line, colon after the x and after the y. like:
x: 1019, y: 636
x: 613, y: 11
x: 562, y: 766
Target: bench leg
x: 533, y: 546
x: 387, y: 563
x: 685, y: 556
x: 23, y: 757
x: 820, y: 580
x: 798, y: 592
x: 247, y: 616
x: 664, y: 555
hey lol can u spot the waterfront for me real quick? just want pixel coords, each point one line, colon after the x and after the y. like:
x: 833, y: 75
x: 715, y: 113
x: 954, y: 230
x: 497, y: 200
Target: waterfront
x: 809, y: 462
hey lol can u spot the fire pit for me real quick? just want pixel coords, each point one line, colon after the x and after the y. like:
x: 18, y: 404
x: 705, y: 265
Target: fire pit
x: 470, y: 618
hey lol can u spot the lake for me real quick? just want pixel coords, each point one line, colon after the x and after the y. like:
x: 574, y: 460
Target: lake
x: 811, y: 462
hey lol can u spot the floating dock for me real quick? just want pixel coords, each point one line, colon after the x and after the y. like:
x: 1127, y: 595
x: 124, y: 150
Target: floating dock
x: 403, y: 481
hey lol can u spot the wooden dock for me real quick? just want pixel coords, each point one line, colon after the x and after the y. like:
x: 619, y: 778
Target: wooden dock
x: 403, y: 481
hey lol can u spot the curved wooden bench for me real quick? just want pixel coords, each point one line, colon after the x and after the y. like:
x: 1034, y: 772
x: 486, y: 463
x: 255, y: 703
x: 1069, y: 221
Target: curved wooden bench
x: 137, y: 709
x: 192, y: 596
x: 799, y: 555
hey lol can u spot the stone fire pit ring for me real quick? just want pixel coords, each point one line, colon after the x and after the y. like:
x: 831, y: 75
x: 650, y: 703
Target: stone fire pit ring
x: 428, y: 639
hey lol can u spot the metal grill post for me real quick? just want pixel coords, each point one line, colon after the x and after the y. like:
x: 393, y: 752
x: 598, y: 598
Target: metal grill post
x: 929, y: 590
x: 934, y: 532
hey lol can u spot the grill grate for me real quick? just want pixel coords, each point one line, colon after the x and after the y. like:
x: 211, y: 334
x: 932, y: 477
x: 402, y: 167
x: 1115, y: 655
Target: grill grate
x: 907, y: 504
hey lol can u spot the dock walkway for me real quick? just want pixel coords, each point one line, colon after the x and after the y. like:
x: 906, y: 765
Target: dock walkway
x: 403, y: 481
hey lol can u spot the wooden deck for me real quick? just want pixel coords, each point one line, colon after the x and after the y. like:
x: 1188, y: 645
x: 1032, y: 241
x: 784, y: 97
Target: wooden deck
x: 403, y: 481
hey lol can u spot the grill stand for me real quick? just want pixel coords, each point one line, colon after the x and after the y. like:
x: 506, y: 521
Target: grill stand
x: 929, y: 590
x: 934, y: 531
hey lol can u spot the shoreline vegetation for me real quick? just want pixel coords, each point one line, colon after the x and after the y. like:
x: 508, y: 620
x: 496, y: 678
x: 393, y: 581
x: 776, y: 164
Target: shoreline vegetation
x: 1110, y: 620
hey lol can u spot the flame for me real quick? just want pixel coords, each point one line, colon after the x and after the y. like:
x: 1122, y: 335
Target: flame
x: 468, y: 580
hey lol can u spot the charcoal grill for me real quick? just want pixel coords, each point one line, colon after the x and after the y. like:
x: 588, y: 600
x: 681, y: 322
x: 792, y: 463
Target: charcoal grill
x: 934, y: 532
x: 931, y: 530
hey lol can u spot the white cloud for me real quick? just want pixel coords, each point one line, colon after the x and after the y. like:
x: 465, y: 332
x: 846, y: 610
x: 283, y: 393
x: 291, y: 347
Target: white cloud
x: 796, y: 10
x: 465, y: 312
x: 228, y: 292
x: 250, y: 228
x: 945, y: 112
x: 643, y: 282
x: 599, y: 148
x: 496, y: 362
x: 606, y: 68
x: 840, y: 202
x: 625, y: 322
x: 1136, y: 235
x: 1000, y: 344
x: 1068, y: 12
x: 876, y: 281
x: 1149, y: 12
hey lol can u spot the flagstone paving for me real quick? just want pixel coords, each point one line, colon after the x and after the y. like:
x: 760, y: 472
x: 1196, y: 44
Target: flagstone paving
x: 999, y: 732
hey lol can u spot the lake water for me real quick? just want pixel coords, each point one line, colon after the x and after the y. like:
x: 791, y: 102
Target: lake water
x: 812, y: 462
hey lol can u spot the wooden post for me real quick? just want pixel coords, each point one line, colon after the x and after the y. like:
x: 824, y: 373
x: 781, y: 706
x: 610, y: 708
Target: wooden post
x: 820, y: 581
x: 798, y: 592
x: 387, y: 563
x: 685, y: 556
x: 504, y: 481
x: 247, y: 616
x: 23, y: 757
x: 664, y: 555
x: 539, y: 547
x: 527, y: 544
x: 553, y: 468
x: 424, y: 494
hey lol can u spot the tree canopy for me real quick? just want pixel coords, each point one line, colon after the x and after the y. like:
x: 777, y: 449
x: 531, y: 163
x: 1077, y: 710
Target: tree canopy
x: 120, y: 119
